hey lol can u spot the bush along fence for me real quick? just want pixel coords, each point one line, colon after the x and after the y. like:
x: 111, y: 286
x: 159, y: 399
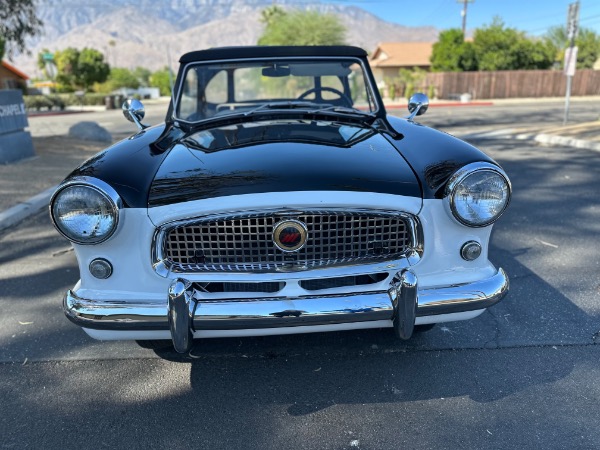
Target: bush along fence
x: 61, y: 101
x: 512, y: 83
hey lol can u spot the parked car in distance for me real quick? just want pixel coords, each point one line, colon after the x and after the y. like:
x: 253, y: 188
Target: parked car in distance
x: 279, y: 197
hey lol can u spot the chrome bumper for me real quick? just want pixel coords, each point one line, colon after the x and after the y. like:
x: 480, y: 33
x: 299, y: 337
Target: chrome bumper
x: 185, y: 311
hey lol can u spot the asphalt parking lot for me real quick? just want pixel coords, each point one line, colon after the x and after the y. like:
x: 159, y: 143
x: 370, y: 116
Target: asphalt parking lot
x: 522, y: 375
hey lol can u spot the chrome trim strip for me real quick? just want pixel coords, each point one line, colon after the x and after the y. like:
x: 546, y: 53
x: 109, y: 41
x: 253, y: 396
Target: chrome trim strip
x: 115, y: 314
x: 164, y: 268
x: 275, y: 313
x: 278, y: 312
x: 463, y: 297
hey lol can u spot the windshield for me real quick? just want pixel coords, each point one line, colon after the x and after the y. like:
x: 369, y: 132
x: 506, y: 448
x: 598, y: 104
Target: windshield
x: 222, y: 88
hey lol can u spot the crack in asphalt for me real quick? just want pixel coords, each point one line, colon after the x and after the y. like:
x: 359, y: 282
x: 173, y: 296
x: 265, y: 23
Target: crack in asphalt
x: 497, y: 332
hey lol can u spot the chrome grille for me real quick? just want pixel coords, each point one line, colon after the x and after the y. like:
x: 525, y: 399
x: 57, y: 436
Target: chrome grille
x: 245, y: 243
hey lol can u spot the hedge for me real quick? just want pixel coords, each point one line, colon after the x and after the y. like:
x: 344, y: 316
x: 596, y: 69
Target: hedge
x: 60, y: 101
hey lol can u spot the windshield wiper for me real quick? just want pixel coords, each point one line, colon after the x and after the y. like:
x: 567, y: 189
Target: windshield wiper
x: 345, y: 110
x: 281, y: 105
x: 310, y: 108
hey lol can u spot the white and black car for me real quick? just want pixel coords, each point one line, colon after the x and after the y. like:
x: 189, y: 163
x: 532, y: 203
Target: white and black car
x: 279, y: 197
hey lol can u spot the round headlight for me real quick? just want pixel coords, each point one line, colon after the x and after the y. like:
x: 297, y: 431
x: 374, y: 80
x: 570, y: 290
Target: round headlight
x: 85, y: 214
x: 478, y: 194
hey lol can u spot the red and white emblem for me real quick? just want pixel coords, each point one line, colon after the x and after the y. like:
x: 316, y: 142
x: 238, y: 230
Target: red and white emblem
x: 290, y: 235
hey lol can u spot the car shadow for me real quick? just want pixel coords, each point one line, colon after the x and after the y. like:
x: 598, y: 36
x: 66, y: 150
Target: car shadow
x: 482, y: 359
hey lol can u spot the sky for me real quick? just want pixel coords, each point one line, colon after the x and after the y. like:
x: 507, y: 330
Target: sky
x: 532, y: 16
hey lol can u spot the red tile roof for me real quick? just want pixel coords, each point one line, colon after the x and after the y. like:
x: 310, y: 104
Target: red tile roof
x: 402, y: 54
x: 14, y: 70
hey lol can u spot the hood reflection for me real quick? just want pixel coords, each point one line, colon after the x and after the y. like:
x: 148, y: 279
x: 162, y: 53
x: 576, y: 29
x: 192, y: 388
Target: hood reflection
x: 281, y: 156
x: 252, y: 133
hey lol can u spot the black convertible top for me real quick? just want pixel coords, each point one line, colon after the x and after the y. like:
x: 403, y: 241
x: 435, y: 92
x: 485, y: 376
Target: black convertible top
x: 271, y: 51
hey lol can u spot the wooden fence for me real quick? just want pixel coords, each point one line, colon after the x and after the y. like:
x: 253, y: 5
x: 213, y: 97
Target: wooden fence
x: 512, y: 83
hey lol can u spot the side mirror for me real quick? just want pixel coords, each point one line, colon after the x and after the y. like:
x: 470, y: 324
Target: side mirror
x: 134, y: 111
x: 417, y: 105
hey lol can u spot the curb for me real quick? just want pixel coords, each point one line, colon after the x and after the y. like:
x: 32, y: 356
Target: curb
x: 567, y: 141
x: 19, y: 212
x: 441, y: 105
x: 55, y: 113
x: 542, y: 138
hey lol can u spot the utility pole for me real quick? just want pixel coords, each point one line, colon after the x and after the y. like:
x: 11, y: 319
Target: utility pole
x: 571, y: 52
x: 463, y: 13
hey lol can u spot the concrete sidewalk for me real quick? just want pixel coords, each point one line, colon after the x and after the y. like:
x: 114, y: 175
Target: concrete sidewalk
x: 26, y: 186
x: 583, y: 135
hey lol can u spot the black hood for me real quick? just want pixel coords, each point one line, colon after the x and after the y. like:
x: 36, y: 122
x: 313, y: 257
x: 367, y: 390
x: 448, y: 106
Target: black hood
x: 281, y: 156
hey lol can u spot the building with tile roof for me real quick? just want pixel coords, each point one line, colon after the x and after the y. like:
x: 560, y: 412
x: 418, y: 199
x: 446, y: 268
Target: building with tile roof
x: 11, y: 77
x: 389, y: 57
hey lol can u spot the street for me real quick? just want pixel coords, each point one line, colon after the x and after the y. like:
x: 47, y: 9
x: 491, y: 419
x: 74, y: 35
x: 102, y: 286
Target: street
x: 112, y: 120
x: 522, y: 375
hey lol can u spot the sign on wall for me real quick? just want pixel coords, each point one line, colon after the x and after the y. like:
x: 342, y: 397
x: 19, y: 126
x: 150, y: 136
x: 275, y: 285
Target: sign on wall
x: 15, y: 142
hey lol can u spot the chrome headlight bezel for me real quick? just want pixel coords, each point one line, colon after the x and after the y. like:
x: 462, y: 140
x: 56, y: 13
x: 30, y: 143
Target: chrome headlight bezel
x: 111, y: 196
x: 459, y: 176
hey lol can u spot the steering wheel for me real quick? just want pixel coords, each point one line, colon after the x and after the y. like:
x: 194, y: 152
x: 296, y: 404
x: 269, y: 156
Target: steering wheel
x: 342, y: 96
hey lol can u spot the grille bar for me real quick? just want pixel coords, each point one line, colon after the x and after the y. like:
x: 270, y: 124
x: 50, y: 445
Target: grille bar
x: 245, y: 243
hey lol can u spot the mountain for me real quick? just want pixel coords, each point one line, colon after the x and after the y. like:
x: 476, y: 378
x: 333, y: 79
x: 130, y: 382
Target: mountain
x: 143, y: 33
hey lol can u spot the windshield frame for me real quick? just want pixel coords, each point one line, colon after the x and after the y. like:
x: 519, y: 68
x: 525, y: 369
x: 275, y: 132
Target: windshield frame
x: 371, y: 91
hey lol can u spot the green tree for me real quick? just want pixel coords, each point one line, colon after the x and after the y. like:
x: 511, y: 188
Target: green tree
x: 143, y: 76
x: 500, y: 48
x: 301, y: 28
x: 451, y: 53
x: 42, y: 63
x: 271, y: 14
x: 18, y: 20
x: 80, y: 69
x: 411, y: 80
x: 160, y: 79
x: 557, y: 37
x: 117, y: 79
x: 66, y: 63
x: 587, y: 42
x: 588, y: 48
x: 91, y: 68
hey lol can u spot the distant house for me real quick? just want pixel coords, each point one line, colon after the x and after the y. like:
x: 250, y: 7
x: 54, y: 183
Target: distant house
x: 389, y: 57
x: 11, y: 77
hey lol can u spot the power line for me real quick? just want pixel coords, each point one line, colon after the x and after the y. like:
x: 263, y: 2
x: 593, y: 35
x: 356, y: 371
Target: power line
x: 595, y: 16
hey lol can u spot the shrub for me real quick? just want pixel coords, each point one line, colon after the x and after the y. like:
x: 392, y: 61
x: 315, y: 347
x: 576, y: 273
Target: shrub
x: 61, y: 101
x: 37, y: 102
x: 57, y: 102
x: 431, y: 91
